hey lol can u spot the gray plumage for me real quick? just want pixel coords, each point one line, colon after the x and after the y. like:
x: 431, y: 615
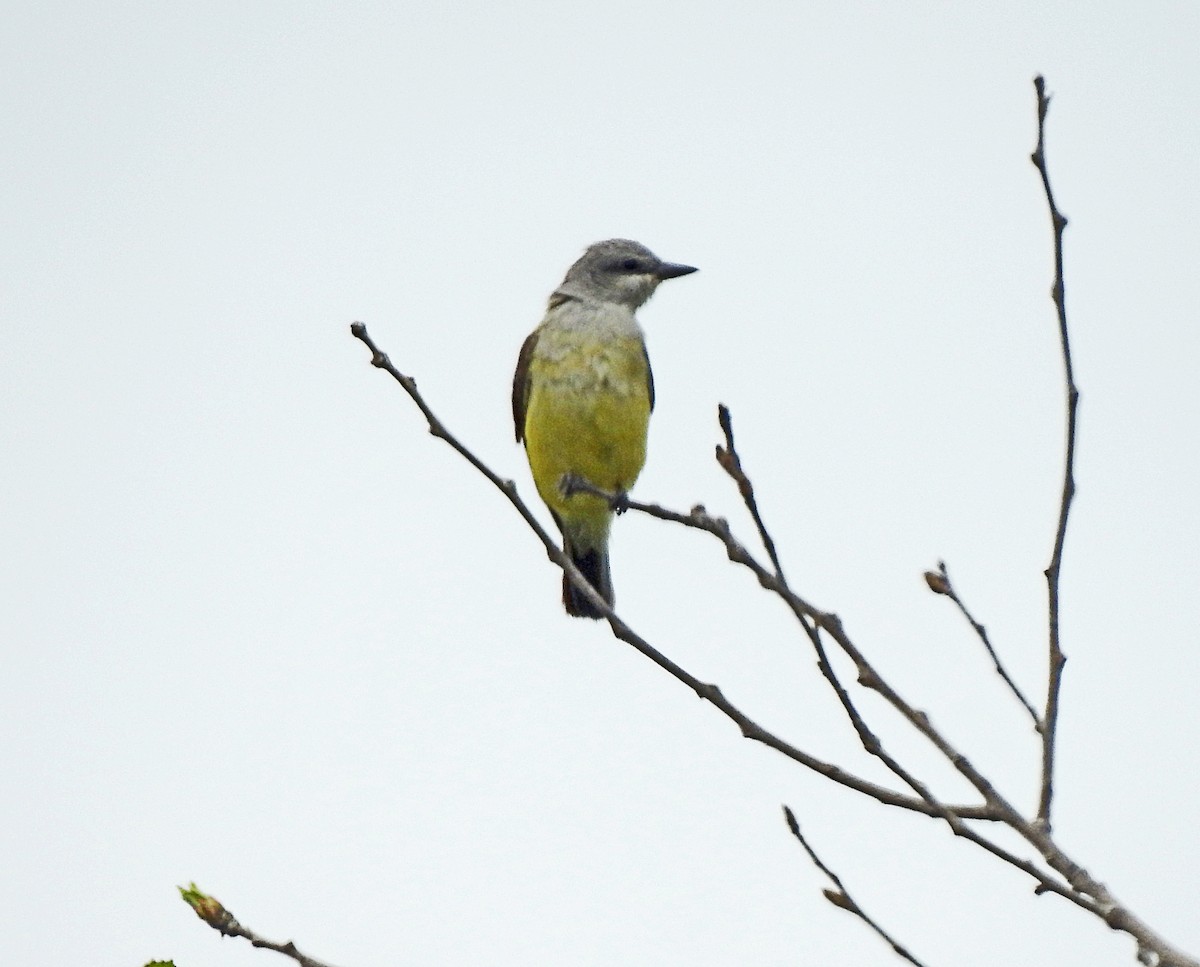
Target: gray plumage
x: 618, y: 271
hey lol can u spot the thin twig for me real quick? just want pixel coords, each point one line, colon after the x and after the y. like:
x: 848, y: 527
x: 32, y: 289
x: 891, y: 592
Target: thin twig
x: 840, y: 896
x: 939, y: 582
x: 727, y: 457
x: 210, y: 910
x: 1053, y: 572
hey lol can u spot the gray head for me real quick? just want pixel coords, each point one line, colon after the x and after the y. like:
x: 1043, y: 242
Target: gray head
x: 620, y: 271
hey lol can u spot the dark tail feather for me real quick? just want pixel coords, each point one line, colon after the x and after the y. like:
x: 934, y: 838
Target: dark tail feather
x: 594, y: 565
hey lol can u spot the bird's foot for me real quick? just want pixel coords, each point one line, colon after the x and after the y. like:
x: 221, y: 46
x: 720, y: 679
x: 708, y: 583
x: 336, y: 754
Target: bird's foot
x: 570, y: 484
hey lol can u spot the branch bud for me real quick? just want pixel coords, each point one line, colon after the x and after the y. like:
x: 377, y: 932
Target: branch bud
x: 937, y: 583
x: 208, y: 908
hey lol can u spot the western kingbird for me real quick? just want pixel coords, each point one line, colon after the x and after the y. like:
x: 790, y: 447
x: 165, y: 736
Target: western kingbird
x: 582, y: 396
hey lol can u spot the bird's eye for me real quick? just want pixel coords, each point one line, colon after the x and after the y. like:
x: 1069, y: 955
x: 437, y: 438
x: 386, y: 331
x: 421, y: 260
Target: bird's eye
x: 630, y: 265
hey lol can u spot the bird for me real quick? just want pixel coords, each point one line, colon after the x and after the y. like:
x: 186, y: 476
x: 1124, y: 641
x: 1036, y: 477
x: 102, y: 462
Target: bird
x: 582, y: 395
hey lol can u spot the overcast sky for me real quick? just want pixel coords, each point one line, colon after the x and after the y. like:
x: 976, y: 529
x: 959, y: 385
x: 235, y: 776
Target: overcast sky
x: 262, y: 631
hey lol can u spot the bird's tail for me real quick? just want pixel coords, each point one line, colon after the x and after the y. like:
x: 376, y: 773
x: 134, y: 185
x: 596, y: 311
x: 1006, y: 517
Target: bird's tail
x: 594, y: 564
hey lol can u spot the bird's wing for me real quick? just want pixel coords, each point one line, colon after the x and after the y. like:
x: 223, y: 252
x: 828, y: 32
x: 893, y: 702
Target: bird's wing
x: 520, y: 391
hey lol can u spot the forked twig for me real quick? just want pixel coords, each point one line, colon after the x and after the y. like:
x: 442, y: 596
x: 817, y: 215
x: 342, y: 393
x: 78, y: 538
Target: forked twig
x: 1054, y: 571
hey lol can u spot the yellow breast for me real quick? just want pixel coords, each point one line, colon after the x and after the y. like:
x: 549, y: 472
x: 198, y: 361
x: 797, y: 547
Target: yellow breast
x: 587, y: 413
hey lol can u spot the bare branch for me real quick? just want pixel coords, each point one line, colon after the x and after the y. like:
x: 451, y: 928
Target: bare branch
x: 840, y: 896
x: 1153, y: 948
x: 1053, y: 572
x: 210, y: 910
x: 939, y: 582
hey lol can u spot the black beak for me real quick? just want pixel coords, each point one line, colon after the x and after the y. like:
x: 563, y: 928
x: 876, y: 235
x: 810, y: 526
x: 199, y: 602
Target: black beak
x: 670, y: 270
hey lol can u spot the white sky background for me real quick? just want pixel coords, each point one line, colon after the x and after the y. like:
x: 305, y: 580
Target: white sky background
x: 262, y: 631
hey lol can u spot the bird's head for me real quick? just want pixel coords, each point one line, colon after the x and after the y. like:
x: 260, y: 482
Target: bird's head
x: 621, y: 271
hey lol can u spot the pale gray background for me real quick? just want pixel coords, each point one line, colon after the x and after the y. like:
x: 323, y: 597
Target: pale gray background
x: 261, y: 631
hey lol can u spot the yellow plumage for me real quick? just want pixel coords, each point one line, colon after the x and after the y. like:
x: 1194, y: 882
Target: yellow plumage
x: 587, y: 413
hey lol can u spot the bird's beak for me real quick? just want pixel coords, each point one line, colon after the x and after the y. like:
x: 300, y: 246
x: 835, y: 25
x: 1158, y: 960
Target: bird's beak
x: 670, y: 270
